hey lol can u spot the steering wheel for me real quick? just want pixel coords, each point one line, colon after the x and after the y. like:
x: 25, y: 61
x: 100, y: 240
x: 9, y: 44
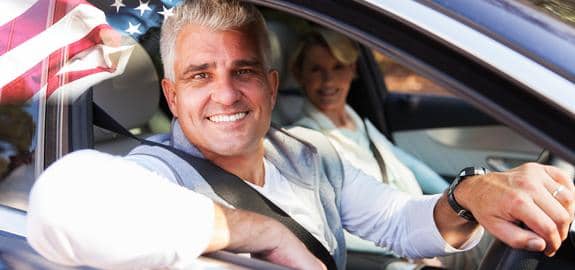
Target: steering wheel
x: 500, y: 256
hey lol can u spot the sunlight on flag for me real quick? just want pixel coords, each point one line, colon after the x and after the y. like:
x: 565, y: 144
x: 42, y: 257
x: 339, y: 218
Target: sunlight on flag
x: 56, y: 46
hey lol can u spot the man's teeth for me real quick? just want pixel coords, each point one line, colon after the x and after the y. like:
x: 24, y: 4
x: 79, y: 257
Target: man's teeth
x: 227, y: 118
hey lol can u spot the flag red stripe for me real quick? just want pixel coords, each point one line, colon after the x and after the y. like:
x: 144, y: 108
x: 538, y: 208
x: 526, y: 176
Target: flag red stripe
x: 71, y: 76
x: 33, y: 22
x: 25, y: 26
x: 57, y: 61
x: 22, y: 88
x: 26, y: 85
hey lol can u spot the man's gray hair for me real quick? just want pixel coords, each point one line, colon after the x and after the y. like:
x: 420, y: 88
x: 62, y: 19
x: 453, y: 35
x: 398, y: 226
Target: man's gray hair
x: 217, y: 15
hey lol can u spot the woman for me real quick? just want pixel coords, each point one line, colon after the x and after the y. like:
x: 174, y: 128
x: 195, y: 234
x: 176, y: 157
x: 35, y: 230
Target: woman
x: 324, y: 65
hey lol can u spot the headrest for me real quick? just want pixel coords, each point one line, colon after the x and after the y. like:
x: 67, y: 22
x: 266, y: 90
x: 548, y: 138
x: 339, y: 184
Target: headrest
x: 131, y: 98
x: 283, y: 39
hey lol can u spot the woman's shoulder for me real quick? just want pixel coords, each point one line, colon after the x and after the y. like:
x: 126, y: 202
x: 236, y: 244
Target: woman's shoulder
x: 307, y: 122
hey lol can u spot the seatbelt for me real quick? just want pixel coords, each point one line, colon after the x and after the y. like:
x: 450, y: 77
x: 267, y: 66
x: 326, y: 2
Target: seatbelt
x: 377, y: 155
x: 228, y: 186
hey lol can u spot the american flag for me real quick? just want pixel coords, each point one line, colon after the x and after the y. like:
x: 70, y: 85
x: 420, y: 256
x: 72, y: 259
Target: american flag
x: 136, y: 17
x: 55, y: 46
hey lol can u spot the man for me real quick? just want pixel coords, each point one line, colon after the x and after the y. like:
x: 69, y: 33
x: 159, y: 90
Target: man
x: 127, y: 212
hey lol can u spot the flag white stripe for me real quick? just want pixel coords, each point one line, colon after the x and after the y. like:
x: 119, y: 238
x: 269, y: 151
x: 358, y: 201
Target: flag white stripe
x: 11, y: 9
x: 74, y: 89
x: 72, y: 27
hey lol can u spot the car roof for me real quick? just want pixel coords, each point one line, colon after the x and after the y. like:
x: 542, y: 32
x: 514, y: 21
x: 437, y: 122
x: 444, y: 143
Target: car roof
x: 525, y: 27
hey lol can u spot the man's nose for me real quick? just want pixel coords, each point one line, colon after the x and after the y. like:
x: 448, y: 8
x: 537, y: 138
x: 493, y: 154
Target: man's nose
x: 225, y: 92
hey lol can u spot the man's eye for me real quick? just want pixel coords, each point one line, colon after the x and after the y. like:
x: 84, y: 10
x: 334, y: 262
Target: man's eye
x: 244, y: 71
x: 199, y: 76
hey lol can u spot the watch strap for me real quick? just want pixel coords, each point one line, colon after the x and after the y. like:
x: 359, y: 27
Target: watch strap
x: 463, y: 174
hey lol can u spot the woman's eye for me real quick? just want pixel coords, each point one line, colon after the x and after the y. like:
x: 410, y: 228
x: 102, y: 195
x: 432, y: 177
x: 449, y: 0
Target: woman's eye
x: 338, y: 66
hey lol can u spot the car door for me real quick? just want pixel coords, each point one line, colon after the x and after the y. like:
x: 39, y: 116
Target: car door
x: 443, y: 130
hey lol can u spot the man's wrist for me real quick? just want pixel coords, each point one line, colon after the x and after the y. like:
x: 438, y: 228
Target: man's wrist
x: 454, y: 229
x: 460, y: 206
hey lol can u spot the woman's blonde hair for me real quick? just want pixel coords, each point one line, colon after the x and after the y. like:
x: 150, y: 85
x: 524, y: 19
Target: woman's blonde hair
x: 341, y: 47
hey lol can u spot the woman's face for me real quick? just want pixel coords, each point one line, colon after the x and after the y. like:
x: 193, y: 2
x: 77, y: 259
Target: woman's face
x: 324, y: 79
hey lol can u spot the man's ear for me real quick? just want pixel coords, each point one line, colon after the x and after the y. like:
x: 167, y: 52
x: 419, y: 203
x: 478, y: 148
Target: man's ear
x: 169, y: 90
x: 274, y: 81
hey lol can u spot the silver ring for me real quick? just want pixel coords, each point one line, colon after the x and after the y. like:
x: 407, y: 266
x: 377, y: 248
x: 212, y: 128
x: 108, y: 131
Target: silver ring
x: 557, y: 190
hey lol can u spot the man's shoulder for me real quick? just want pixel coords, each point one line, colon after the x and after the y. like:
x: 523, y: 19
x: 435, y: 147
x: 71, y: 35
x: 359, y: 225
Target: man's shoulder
x: 330, y: 159
x: 302, y: 135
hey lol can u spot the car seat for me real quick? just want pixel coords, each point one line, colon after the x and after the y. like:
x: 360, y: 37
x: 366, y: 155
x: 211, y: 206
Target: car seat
x: 290, y: 99
x: 131, y: 99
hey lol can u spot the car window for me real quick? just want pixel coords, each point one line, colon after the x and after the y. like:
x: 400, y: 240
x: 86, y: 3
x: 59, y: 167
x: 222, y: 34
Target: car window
x: 19, y: 127
x: 400, y: 79
x: 564, y: 10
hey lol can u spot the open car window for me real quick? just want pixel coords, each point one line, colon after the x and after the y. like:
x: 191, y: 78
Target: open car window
x: 19, y: 132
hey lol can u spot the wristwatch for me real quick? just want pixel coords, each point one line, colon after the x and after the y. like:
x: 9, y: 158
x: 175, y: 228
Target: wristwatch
x: 463, y: 174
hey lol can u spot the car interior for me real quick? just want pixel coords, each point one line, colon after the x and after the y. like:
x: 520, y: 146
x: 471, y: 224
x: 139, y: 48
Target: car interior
x: 422, y: 123
x: 427, y: 124
x: 138, y: 104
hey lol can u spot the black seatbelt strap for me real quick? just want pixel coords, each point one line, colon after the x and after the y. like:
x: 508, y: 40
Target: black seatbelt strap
x: 229, y: 187
x: 378, y: 157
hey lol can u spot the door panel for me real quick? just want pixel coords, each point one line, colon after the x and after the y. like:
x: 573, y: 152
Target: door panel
x: 448, y: 134
x: 448, y: 150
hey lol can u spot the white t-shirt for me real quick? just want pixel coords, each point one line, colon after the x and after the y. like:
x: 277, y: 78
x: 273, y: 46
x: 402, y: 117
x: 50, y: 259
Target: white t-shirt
x: 278, y: 190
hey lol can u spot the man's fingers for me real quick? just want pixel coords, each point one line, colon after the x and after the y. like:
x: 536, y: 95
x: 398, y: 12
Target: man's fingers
x: 565, y: 196
x: 526, y: 210
x: 553, y: 206
x: 515, y: 236
x: 542, y: 198
x: 560, y: 177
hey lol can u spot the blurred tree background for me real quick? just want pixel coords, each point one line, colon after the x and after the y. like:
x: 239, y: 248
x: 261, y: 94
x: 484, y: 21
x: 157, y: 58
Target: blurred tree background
x: 564, y: 9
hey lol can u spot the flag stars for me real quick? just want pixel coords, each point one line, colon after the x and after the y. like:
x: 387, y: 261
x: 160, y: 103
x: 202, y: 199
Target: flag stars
x: 143, y: 7
x: 166, y: 12
x: 118, y: 4
x: 133, y: 29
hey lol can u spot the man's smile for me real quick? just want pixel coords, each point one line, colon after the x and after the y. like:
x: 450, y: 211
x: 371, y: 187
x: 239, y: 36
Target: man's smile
x: 218, y: 118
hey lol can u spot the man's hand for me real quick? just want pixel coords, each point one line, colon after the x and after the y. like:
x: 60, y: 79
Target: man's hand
x: 541, y: 197
x: 243, y: 231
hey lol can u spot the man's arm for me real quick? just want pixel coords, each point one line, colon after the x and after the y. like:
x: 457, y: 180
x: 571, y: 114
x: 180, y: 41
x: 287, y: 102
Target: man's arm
x: 500, y: 201
x: 103, y: 211
x: 243, y: 231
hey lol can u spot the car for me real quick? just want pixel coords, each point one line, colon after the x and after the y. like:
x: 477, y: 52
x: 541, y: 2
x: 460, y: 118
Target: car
x: 500, y: 71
